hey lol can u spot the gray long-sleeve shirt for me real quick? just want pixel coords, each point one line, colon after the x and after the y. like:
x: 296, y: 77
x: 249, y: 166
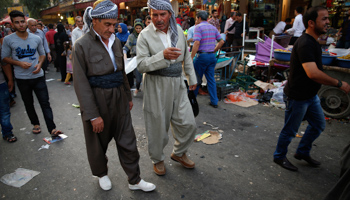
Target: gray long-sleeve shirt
x: 41, y: 34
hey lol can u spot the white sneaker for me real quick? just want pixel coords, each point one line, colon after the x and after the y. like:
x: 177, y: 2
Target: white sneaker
x: 105, y: 183
x: 135, y: 92
x: 143, y: 185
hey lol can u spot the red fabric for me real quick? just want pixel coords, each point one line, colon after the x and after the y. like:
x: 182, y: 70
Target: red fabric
x: 178, y: 20
x: 49, y: 36
x: 329, y: 3
x: 8, y: 20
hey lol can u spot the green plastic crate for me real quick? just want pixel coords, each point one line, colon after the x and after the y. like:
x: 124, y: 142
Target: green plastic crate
x: 224, y: 88
x: 246, y: 82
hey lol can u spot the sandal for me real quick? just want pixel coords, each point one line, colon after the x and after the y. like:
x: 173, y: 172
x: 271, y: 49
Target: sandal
x: 36, y: 129
x: 10, y: 138
x: 55, y: 133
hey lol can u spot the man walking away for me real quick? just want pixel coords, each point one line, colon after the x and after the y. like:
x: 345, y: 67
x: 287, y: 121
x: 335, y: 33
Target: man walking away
x: 205, y: 36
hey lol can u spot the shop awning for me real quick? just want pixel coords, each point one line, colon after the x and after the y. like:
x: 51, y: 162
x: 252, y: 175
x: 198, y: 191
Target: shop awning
x: 51, y: 10
x: 84, y: 5
x: 8, y: 20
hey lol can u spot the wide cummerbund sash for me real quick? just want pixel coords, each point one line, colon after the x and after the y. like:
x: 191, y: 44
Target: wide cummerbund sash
x: 174, y: 70
x: 107, y: 81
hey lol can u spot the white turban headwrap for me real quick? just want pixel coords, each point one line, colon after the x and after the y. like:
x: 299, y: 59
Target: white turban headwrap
x: 104, y: 10
x: 166, y: 5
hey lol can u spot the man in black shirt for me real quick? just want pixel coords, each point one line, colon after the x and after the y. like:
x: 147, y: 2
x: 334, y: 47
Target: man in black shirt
x: 238, y: 25
x: 300, y: 93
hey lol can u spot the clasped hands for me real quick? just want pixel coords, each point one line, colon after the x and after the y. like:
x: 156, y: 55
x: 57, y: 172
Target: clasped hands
x: 26, y: 65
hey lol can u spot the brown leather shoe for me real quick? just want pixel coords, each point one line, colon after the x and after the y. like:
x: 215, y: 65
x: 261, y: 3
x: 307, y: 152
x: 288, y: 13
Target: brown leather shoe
x: 183, y: 160
x: 159, y: 168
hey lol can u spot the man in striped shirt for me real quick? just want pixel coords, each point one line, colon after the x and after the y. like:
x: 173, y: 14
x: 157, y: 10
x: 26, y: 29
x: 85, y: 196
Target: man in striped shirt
x: 205, y: 37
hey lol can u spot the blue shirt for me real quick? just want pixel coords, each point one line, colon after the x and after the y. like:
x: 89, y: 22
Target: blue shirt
x: 190, y: 33
x: 41, y: 34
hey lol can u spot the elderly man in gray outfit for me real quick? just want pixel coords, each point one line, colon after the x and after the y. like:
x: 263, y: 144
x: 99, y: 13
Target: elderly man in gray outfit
x: 162, y: 54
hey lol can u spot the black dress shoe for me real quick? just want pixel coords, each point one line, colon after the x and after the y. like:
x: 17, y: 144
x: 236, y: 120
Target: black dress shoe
x: 214, y: 106
x: 308, y: 159
x: 285, y: 164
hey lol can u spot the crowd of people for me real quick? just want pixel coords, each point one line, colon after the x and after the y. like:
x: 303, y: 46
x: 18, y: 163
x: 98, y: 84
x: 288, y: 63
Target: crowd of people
x: 94, y: 52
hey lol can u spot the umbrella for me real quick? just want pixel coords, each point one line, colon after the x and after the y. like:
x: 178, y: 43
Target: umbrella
x: 8, y: 20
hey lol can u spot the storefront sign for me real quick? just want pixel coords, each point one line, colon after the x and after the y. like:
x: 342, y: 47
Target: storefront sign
x: 19, y: 8
x: 139, y: 3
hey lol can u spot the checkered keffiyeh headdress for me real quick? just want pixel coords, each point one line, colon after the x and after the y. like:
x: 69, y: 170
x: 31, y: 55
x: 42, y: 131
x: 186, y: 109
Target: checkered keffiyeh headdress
x: 166, y: 5
x: 103, y: 10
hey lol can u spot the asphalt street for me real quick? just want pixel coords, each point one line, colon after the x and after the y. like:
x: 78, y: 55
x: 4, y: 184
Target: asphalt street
x: 239, y: 167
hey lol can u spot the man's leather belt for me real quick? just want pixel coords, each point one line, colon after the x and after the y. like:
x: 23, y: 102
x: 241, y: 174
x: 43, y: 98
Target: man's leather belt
x: 205, y: 52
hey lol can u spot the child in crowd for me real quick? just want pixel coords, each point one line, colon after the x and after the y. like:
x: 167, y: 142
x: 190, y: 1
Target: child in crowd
x: 68, y: 53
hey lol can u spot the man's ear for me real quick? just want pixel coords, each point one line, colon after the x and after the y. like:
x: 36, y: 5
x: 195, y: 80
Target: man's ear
x: 311, y: 23
x: 94, y: 21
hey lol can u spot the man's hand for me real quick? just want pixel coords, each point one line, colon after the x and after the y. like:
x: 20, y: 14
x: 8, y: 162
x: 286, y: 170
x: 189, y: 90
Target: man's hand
x: 25, y: 65
x: 10, y: 85
x: 49, y: 58
x: 226, y: 32
x: 130, y: 105
x: 97, y: 125
x: 37, y: 68
x: 345, y: 87
x: 193, y: 87
x: 171, y: 53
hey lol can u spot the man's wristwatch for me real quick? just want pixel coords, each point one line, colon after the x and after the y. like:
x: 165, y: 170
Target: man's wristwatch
x: 339, y: 84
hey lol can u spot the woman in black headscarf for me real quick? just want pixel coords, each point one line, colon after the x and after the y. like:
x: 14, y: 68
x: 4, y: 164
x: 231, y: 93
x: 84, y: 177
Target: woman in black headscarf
x: 60, y: 37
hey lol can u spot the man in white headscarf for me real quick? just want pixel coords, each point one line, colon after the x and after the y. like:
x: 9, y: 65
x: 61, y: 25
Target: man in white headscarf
x: 162, y: 54
x: 104, y: 96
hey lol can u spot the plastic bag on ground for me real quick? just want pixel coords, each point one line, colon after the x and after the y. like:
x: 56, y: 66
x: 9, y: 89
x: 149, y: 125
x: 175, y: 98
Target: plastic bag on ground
x: 277, y: 98
x: 18, y: 178
x: 241, y: 96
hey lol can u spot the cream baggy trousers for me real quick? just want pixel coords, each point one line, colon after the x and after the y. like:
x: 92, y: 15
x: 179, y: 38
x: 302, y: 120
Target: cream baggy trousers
x: 166, y: 102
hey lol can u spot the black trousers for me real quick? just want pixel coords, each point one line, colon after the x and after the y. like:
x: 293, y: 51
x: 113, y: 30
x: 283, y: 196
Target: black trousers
x: 38, y: 86
x: 229, y: 40
x: 62, y: 63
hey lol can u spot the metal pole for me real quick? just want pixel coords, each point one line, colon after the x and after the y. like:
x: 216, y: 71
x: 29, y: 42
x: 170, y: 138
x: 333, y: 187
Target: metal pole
x: 244, y: 20
x: 273, y: 38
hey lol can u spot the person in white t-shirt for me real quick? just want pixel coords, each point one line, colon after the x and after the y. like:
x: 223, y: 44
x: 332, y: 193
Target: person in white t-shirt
x: 298, y: 26
x: 281, y: 27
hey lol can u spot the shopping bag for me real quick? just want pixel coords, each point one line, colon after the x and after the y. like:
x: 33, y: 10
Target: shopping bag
x: 194, y: 103
x: 193, y: 100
